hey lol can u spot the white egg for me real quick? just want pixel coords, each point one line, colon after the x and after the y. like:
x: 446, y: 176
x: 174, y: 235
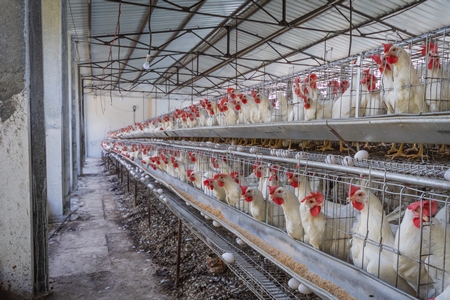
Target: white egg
x: 361, y: 154
x: 300, y: 155
x: 151, y: 186
x: 239, y: 241
x: 161, y: 197
x: 447, y: 174
x: 231, y: 148
x: 160, y: 191
x: 240, y: 148
x: 330, y: 159
x: 202, y: 214
x: 347, y: 161
x: 164, y: 199
x: 304, y: 289
x: 188, y: 204
x: 293, y: 283
x: 228, y: 257
x: 207, y: 217
x: 216, y: 224
x: 273, y: 151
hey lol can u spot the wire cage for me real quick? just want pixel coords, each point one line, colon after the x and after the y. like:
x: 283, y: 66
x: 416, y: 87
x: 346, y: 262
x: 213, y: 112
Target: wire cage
x: 373, y: 215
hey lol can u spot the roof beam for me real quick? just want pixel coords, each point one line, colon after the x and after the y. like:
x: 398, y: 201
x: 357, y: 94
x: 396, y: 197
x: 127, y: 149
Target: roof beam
x: 330, y: 36
x: 216, y: 34
x: 174, y: 35
x: 134, y: 43
x: 298, y: 21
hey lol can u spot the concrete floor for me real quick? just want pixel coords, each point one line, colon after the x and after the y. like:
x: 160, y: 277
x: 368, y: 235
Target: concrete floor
x: 92, y: 257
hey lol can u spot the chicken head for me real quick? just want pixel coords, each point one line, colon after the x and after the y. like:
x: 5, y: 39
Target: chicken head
x: 426, y: 208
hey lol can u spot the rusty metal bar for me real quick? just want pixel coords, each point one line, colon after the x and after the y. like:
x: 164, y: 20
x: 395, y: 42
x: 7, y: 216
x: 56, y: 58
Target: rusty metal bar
x: 177, y: 279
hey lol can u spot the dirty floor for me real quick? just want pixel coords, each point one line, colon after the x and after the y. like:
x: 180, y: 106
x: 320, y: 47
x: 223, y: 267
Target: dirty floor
x: 92, y: 256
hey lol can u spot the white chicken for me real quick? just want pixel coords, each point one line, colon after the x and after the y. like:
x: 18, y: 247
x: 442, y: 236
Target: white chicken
x: 387, y: 80
x: 232, y: 189
x: 371, y: 229
x: 296, y: 110
x: 179, y: 168
x: 291, y: 209
x: 315, y: 105
x: 437, y: 85
x: 326, y: 234
x: 219, y: 192
x: 195, y: 177
x: 438, y: 262
x: 408, y: 243
x: 245, y: 114
x: 407, y: 95
x: 258, y: 205
x: 253, y: 107
x: 265, y: 108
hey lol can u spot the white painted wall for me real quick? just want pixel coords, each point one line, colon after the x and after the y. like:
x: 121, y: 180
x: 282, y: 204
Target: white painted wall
x: 103, y: 115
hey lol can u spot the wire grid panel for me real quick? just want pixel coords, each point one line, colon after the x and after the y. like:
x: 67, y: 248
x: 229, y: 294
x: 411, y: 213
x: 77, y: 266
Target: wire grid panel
x: 368, y: 232
x: 252, y: 268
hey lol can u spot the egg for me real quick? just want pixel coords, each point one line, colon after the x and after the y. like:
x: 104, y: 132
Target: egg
x: 293, y: 283
x: 239, y: 241
x: 300, y: 155
x: 202, y: 214
x: 228, y: 257
x: 187, y: 204
x: 216, y: 224
x: 208, y: 218
x: 273, y: 152
x: 347, y: 161
x: 447, y: 175
x: 231, y: 148
x: 304, y: 289
x: 160, y: 191
x: 240, y: 148
x: 150, y: 186
x: 330, y: 159
x: 361, y: 154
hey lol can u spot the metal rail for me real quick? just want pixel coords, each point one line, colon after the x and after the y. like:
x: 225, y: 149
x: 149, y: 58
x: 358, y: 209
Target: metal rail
x: 247, y: 265
x: 325, y: 266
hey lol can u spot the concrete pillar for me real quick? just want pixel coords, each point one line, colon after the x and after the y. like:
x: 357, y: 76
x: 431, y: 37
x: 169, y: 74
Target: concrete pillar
x: 23, y: 215
x: 56, y: 98
x: 74, y: 114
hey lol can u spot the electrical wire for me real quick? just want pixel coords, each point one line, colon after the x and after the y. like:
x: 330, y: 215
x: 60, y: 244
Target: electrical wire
x: 149, y: 26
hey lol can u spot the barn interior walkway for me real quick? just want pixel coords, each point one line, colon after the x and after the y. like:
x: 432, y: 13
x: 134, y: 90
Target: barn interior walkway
x: 92, y: 256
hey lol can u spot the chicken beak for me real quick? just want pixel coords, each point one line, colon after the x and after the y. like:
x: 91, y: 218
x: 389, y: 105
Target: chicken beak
x: 425, y: 219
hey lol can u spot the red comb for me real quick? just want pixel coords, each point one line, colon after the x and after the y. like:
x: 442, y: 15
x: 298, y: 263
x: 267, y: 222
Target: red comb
x: 316, y: 195
x: 244, y: 189
x: 353, y: 189
x: 272, y: 189
x: 426, y: 206
x: 189, y: 172
x: 290, y: 174
x: 387, y: 47
x: 217, y: 176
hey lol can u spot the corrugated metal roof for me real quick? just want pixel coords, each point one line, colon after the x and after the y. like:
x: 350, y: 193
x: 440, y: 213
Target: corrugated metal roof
x: 189, y: 39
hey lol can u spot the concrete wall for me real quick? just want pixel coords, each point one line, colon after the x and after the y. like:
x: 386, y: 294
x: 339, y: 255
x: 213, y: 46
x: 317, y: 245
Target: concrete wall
x: 102, y: 116
x: 23, y: 227
x: 57, y: 105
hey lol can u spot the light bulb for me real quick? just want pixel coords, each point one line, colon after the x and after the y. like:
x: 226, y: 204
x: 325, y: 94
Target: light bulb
x: 146, y: 64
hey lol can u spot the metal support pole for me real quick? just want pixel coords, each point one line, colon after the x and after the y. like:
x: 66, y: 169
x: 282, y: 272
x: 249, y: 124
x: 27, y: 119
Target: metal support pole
x: 128, y: 182
x: 121, y: 174
x: 135, y: 192
x: 177, y: 279
x: 149, y: 210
